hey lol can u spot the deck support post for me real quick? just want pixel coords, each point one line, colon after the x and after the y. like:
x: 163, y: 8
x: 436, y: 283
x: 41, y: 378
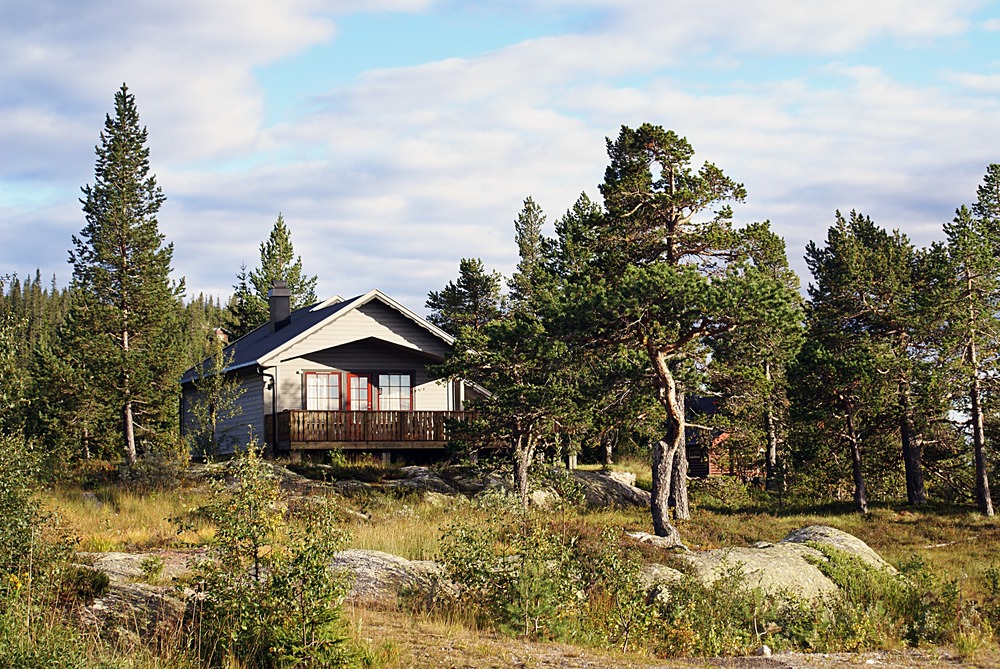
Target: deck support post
x: 386, y: 458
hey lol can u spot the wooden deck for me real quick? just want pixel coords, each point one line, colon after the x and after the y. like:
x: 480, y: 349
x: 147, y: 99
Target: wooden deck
x: 300, y: 430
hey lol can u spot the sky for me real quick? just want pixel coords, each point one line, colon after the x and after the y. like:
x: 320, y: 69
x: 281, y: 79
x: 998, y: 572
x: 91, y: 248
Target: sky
x: 398, y: 136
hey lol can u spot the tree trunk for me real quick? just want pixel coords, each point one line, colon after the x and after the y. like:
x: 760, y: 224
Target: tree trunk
x: 128, y: 427
x: 771, y: 483
x: 608, y: 438
x: 663, y: 458
x: 678, y: 483
x: 860, y: 495
x: 665, y: 450
x: 679, y: 471
x: 983, y: 499
x: 912, y: 457
x: 523, y: 454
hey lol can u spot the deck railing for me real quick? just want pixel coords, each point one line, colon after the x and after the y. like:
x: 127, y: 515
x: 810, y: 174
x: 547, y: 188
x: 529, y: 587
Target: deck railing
x: 302, y: 427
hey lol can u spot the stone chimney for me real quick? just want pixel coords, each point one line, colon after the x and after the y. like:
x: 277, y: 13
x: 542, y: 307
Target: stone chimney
x: 279, y: 302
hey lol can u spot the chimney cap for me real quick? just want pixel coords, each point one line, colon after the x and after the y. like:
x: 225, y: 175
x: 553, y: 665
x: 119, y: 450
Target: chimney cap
x: 279, y: 288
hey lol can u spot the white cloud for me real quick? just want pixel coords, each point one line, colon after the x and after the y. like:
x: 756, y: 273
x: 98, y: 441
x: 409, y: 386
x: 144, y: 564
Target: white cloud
x: 395, y: 176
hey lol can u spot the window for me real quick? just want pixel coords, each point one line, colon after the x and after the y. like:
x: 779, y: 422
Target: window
x: 322, y: 391
x: 394, y: 392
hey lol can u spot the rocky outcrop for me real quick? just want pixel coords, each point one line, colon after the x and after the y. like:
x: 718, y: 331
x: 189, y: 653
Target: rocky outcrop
x: 421, y: 480
x: 788, y: 566
x: 378, y: 577
x: 605, y: 489
x: 774, y: 568
x: 848, y: 543
x: 129, y: 566
x: 130, y: 608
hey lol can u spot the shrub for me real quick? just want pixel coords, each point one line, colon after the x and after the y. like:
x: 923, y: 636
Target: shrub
x: 20, y: 515
x: 526, y: 574
x: 267, y: 596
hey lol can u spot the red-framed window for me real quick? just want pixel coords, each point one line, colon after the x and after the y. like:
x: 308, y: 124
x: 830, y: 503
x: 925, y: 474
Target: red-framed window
x: 395, y: 392
x: 323, y: 391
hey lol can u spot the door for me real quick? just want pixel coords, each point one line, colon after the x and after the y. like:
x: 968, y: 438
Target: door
x: 359, y: 393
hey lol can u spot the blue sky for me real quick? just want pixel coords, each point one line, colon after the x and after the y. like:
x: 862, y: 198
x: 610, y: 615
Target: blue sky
x: 398, y: 136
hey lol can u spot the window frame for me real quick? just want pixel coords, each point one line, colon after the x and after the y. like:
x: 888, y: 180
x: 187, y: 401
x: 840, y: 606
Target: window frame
x: 329, y: 375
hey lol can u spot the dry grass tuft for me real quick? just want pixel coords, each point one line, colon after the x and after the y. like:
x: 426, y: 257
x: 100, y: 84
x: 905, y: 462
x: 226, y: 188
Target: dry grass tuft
x: 119, y: 519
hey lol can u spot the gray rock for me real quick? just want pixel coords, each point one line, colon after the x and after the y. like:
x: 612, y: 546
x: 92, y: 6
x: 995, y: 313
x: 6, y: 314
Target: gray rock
x: 131, y: 609
x: 659, y: 574
x: 128, y: 566
x: 135, y: 611
x: 422, y: 479
x: 378, y: 577
x: 788, y: 566
x: 823, y: 534
x: 471, y: 483
x: 351, y: 487
x: 611, y: 489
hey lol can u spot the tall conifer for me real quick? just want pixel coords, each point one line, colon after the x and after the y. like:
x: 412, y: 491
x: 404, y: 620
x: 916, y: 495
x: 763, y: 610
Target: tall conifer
x: 278, y: 261
x: 126, y: 306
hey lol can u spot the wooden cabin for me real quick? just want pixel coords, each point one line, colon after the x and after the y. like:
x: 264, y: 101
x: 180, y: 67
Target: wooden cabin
x: 340, y: 374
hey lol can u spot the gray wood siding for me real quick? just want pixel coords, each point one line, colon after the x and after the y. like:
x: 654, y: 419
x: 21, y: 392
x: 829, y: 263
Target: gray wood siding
x: 246, y: 419
x: 250, y: 419
x: 361, y: 357
x: 374, y: 319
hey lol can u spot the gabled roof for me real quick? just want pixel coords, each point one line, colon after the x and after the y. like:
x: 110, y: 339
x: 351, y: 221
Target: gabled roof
x: 262, y: 345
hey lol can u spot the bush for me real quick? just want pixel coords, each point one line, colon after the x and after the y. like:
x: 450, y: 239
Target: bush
x: 267, y: 597
x: 20, y: 515
x: 524, y: 575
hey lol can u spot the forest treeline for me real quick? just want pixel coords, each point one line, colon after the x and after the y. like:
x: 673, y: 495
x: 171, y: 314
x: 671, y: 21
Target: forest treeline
x: 879, y: 383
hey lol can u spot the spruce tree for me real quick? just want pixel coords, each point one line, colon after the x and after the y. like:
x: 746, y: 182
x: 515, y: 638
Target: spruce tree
x: 125, y: 310
x: 472, y: 300
x: 278, y: 261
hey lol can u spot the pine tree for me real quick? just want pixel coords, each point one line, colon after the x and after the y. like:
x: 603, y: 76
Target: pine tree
x: 870, y: 311
x: 972, y: 339
x: 668, y: 276
x: 249, y: 309
x: 749, y: 366
x: 472, y: 300
x: 126, y: 306
x: 525, y: 366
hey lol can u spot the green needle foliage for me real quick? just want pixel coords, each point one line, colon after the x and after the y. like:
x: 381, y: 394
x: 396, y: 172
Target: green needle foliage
x: 472, y: 300
x: 248, y: 309
x: 125, y: 313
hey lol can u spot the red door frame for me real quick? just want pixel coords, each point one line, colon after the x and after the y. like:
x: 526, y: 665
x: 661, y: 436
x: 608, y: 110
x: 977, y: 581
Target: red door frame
x: 372, y: 403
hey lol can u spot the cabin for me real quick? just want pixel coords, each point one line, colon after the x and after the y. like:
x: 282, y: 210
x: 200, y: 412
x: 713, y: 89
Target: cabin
x: 340, y: 374
x: 706, y: 450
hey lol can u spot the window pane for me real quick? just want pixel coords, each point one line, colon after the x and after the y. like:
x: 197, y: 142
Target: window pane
x: 322, y: 391
x: 394, y: 392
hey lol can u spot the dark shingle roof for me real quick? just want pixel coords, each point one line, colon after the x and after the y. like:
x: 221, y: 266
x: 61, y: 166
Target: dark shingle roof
x: 251, y: 347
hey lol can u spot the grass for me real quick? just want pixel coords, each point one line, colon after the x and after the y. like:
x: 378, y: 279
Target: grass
x: 111, y: 518
x: 954, y: 543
